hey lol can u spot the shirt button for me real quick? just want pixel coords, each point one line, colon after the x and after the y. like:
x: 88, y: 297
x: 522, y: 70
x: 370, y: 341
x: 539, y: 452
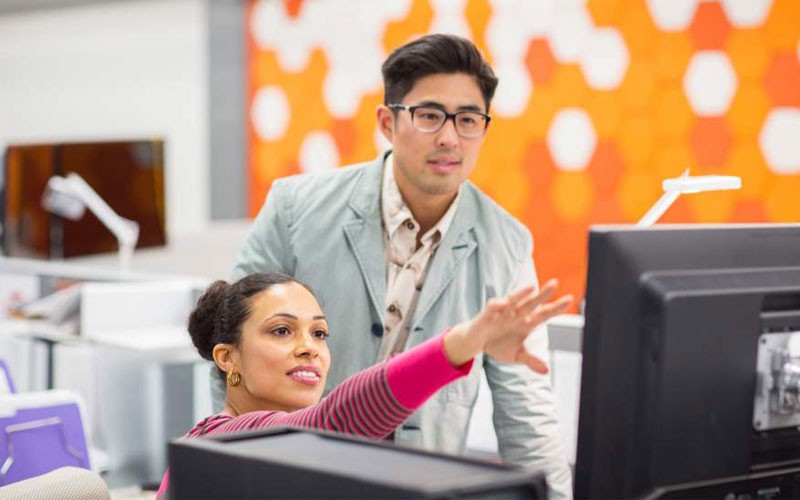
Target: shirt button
x: 392, y: 308
x: 410, y: 225
x: 377, y: 329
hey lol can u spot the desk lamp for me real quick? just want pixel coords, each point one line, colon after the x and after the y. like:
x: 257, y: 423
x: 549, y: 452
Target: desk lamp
x: 683, y: 184
x: 686, y: 184
x: 69, y: 197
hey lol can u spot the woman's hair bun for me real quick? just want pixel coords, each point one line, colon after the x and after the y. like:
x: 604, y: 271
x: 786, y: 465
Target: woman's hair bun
x: 205, y: 317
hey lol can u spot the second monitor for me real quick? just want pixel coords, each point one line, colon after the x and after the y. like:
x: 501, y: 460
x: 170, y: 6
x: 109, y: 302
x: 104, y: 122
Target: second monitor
x: 691, y: 363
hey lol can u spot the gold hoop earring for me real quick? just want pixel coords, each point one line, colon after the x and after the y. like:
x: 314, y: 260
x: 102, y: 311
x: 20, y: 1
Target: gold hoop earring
x: 234, y: 379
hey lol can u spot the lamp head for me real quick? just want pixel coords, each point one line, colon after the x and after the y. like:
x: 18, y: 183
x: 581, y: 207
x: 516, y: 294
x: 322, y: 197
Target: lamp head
x: 701, y: 183
x: 61, y: 199
x: 686, y: 184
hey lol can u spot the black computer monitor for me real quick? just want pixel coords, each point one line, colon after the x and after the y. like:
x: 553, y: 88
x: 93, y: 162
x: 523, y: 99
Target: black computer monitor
x: 127, y: 174
x: 312, y: 464
x: 679, y: 321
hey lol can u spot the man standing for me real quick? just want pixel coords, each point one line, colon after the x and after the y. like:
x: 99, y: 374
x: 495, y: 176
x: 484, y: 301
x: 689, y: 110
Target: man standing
x: 399, y: 248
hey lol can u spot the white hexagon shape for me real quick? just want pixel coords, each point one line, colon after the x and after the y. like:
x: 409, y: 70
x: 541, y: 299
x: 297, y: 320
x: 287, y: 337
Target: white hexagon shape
x: 672, y: 15
x: 265, y: 21
x: 318, y: 152
x: 346, y: 83
x: 512, y: 25
x: 534, y: 17
x: 448, y: 17
x: 292, y: 39
x: 270, y: 112
x: 605, y: 59
x: 513, y: 89
x: 780, y: 141
x: 571, y: 26
x: 508, y: 35
x: 499, y: 40
x: 746, y: 13
x: 710, y: 83
x: 571, y: 139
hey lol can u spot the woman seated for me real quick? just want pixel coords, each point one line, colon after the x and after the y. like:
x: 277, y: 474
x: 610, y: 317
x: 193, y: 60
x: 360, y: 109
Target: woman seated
x: 268, y: 336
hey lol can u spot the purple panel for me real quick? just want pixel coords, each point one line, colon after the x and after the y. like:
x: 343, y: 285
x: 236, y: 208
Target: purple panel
x: 7, y: 373
x: 39, y: 440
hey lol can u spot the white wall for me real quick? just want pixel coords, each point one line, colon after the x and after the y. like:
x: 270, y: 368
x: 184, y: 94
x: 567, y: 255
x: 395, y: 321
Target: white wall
x: 112, y: 71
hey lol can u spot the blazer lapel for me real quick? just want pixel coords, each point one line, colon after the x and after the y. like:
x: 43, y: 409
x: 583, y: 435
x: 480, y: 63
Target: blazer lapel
x: 365, y: 234
x: 458, y: 244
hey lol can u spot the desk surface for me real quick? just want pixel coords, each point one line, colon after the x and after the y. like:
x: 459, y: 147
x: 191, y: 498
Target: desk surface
x: 209, y: 254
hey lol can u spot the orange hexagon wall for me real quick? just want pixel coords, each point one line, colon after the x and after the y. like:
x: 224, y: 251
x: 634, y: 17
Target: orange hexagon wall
x: 598, y: 103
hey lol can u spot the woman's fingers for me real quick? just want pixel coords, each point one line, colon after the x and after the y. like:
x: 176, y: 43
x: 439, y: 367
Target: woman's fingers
x: 523, y: 300
x: 511, y: 318
x: 546, y: 311
x: 534, y: 299
x: 520, y: 295
x: 534, y: 363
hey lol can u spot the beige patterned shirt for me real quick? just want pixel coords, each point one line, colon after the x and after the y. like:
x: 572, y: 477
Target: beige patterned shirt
x: 406, y: 265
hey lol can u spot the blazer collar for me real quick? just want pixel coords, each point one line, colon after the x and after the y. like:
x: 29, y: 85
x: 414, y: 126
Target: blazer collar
x: 366, y: 240
x: 366, y: 197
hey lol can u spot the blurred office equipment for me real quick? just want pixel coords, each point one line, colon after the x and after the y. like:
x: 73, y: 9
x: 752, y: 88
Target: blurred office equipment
x: 6, y: 381
x: 40, y: 432
x: 303, y: 463
x: 689, y: 382
x: 129, y: 358
x: 128, y: 175
x: 56, y: 307
x: 70, y: 196
x: 135, y: 363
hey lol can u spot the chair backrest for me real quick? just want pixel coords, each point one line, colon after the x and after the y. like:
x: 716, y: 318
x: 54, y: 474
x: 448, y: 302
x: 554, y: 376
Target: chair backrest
x: 40, y: 432
x: 6, y: 381
x: 66, y: 482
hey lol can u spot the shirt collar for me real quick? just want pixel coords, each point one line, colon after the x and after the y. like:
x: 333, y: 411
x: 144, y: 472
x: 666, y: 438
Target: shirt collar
x: 395, y: 211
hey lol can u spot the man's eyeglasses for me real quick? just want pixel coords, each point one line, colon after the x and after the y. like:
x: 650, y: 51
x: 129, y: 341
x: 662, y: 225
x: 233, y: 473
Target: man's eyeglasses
x: 469, y: 124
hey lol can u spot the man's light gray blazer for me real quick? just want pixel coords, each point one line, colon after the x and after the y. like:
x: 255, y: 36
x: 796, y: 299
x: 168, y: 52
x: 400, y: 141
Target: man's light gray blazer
x: 325, y: 230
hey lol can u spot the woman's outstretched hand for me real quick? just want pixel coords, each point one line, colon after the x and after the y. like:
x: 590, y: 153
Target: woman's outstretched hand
x: 501, y: 328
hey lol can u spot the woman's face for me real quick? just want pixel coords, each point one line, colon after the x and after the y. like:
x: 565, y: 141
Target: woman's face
x: 282, y: 355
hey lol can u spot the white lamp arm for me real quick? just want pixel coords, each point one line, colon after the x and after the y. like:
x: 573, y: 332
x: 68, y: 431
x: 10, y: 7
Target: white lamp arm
x: 686, y: 184
x: 658, y: 208
x: 125, y: 230
x: 67, y: 196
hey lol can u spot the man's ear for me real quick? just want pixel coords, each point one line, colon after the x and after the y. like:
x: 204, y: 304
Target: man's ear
x: 225, y: 357
x: 385, y: 118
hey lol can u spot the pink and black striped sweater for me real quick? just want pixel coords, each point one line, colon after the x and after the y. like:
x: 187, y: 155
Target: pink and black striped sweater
x: 371, y: 403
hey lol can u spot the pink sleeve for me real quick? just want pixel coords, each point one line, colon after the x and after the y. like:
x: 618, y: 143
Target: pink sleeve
x: 366, y: 404
x: 416, y: 374
x: 163, y: 487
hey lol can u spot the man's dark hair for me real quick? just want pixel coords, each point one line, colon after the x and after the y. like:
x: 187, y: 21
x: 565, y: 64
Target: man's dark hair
x: 430, y: 55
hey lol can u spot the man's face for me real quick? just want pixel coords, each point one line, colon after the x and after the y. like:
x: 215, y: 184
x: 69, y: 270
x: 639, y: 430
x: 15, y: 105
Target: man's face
x: 433, y: 164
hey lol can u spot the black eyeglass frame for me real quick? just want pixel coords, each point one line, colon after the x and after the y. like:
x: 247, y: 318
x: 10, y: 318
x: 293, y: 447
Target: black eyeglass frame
x: 447, y: 116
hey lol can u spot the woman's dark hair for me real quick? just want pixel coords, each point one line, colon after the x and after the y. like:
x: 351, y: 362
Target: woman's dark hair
x: 430, y: 55
x: 221, y: 310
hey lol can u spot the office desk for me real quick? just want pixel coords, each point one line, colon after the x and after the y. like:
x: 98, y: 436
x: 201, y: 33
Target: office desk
x: 133, y: 362
x: 209, y: 254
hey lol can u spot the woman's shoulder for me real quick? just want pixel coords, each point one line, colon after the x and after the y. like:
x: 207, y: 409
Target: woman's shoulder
x: 209, y: 424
